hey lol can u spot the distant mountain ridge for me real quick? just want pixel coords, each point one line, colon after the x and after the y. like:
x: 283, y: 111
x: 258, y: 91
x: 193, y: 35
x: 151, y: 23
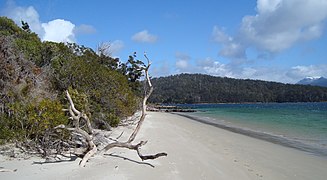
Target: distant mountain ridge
x: 200, y: 88
x: 314, y: 81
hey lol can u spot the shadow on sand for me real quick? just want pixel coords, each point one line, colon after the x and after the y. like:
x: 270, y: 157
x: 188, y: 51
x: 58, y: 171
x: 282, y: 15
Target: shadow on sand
x: 131, y: 160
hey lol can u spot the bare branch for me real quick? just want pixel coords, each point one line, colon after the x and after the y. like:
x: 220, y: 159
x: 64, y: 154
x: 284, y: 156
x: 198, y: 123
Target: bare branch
x: 149, y: 63
x: 128, y: 143
x: 76, y: 116
x: 72, y: 103
x: 103, y: 49
x: 8, y: 170
x: 145, y: 98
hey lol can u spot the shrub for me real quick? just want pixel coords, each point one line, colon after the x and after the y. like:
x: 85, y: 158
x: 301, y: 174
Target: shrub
x: 31, y: 46
x: 113, y: 120
x: 8, y: 27
x: 107, y: 90
x: 31, y: 120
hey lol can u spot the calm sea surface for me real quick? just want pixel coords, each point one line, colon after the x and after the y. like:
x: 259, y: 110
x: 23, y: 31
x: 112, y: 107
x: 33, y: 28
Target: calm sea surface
x: 298, y: 125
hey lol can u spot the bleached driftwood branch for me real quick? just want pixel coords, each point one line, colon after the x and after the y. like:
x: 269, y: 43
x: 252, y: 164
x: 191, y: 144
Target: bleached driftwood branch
x: 128, y: 144
x: 8, y: 170
x: 76, y: 116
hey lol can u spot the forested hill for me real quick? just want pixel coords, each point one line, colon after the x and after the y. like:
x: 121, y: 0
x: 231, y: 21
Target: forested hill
x: 199, y: 88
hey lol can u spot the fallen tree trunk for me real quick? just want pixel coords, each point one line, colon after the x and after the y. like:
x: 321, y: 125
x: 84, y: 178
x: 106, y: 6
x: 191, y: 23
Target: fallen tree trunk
x: 128, y: 144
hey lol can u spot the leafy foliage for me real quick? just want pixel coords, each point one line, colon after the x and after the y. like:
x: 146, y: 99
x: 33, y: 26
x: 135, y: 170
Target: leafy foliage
x: 108, y: 90
x: 8, y: 27
x: 197, y: 88
x: 31, y: 46
x: 34, y: 74
x: 26, y: 27
x: 32, y: 120
x: 133, y: 70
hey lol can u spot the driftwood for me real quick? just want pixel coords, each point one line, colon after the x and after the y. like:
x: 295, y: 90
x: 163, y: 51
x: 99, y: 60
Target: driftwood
x: 8, y: 170
x: 76, y: 116
x: 128, y: 144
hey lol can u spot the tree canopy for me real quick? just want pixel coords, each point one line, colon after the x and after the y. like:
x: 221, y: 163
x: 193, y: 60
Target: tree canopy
x: 199, y: 88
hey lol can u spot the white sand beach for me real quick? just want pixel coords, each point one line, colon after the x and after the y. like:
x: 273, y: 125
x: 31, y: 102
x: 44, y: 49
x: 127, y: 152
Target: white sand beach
x: 195, y: 151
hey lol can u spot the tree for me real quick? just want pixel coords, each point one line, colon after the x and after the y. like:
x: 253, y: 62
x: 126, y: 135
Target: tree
x: 134, y: 68
x: 26, y: 27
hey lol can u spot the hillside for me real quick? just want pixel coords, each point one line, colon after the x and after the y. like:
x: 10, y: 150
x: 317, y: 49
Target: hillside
x: 199, y: 88
x: 319, y: 81
x: 34, y: 75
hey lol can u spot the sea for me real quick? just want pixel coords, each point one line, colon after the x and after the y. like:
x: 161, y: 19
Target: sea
x: 297, y: 125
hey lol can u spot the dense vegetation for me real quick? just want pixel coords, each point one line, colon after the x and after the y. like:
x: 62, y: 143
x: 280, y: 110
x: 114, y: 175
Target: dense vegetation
x: 35, y: 74
x: 198, y: 88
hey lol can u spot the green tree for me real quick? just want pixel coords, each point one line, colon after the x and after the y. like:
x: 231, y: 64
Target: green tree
x: 26, y: 27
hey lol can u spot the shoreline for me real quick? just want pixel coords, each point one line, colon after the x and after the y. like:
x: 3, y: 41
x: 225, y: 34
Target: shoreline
x: 271, y: 102
x: 262, y: 136
x: 195, y: 151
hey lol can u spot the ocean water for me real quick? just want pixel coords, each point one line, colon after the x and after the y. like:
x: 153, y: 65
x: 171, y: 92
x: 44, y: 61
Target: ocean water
x: 297, y: 125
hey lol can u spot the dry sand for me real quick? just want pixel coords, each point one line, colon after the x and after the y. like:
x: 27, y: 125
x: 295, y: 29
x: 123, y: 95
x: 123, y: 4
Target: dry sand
x: 195, y: 151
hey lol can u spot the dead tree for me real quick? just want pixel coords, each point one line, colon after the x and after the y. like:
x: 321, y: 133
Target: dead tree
x: 76, y: 116
x: 128, y: 144
x: 104, y: 49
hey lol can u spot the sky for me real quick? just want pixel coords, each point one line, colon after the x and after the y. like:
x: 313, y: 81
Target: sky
x: 274, y: 40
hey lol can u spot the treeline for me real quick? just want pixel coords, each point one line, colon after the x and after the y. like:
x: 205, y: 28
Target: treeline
x: 199, y: 88
x: 35, y: 74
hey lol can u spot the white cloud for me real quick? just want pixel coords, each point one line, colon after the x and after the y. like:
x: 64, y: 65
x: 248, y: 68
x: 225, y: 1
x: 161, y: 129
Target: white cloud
x: 299, y: 72
x: 280, y: 24
x: 144, y: 36
x: 265, y: 73
x: 27, y: 14
x: 116, y: 46
x: 58, y: 30
x: 212, y: 67
x: 183, y: 62
x: 161, y: 68
x: 231, y: 48
x: 278, y: 74
x: 84, y: 29
x: 267, y: 6
x: 220, y: 36
x: 277, y: 26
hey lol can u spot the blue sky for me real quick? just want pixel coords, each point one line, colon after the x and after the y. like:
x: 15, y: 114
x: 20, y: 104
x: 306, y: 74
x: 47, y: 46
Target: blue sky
x: 274, y: 40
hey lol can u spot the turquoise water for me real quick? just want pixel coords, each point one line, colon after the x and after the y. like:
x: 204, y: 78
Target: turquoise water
x: 303, y: 125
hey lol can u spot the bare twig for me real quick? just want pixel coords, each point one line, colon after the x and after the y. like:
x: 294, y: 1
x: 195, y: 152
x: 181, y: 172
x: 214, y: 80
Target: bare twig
x: 120, y: 135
